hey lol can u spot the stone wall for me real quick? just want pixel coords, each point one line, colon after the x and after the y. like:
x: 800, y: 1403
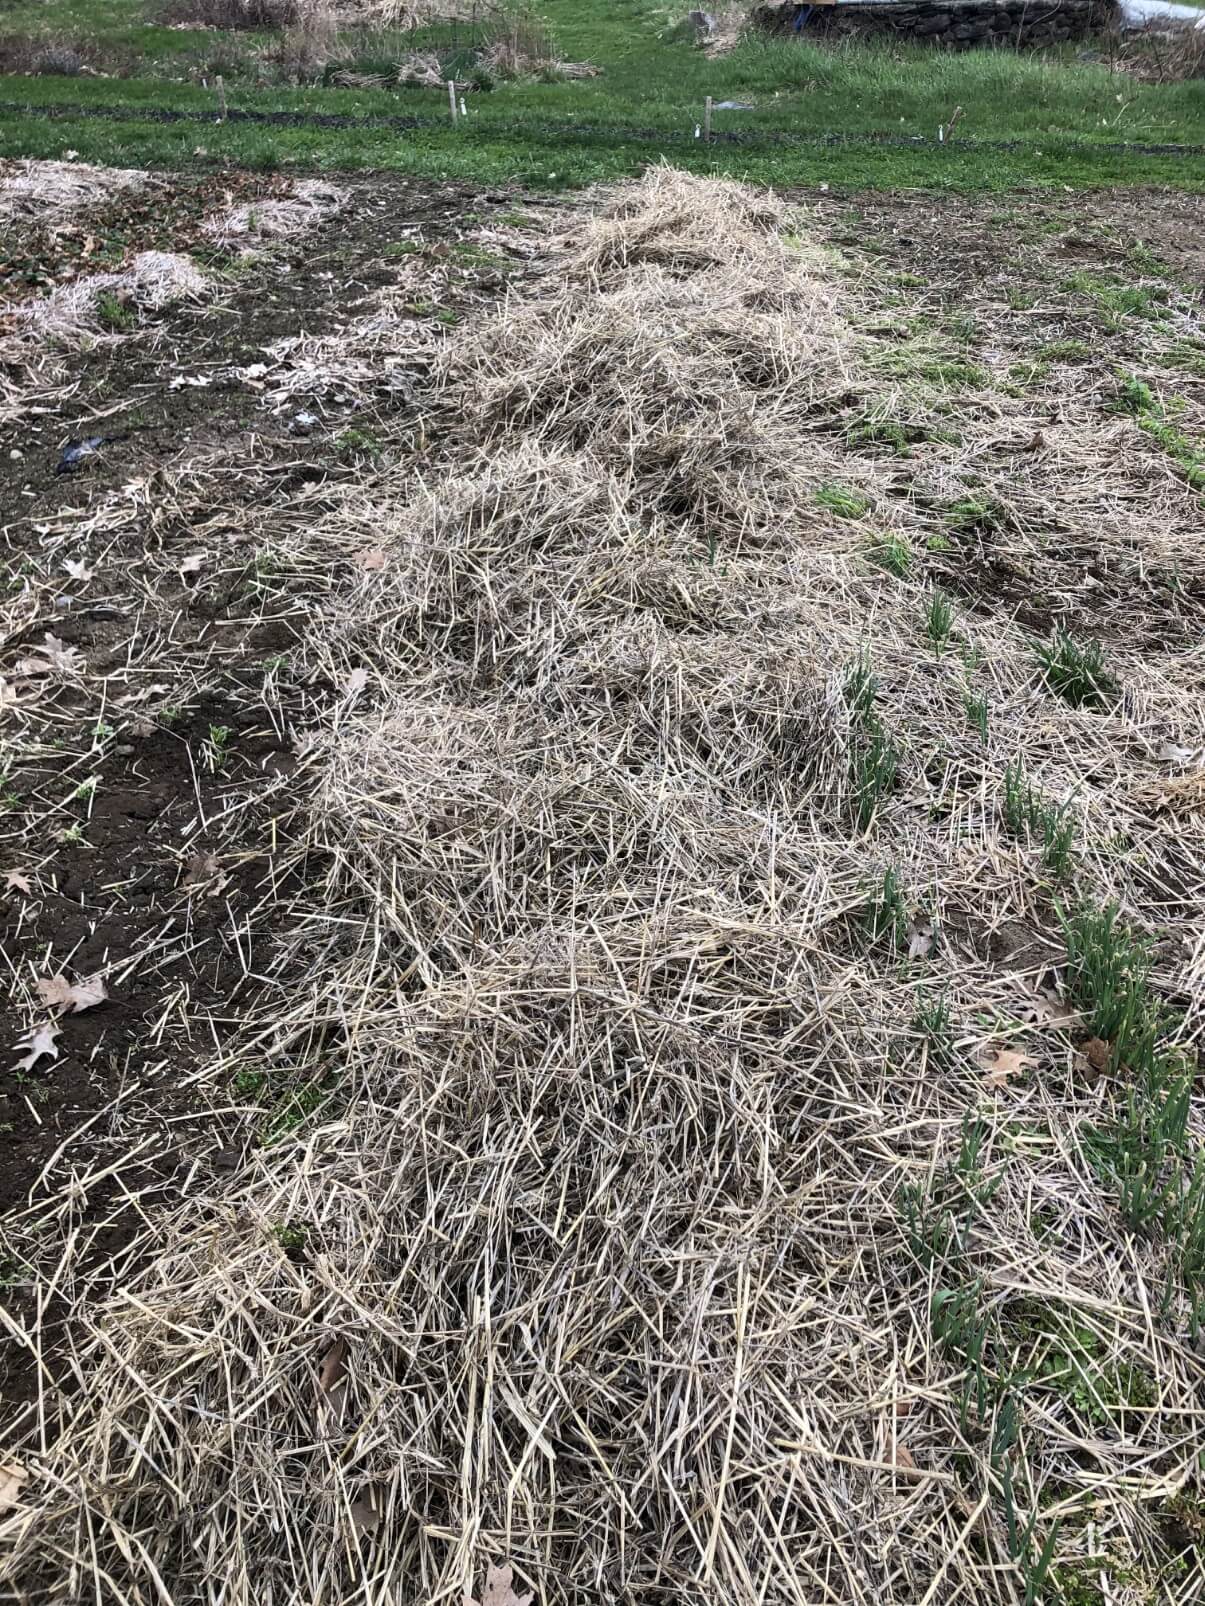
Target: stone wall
x: 956, y: 25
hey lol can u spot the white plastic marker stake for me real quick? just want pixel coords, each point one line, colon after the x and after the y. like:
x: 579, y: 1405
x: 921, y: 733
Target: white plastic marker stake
x: 452, y: 97
x: 707, y: 120
x: 221, y: 89
x: 698, y: 131
x: 463, y: 109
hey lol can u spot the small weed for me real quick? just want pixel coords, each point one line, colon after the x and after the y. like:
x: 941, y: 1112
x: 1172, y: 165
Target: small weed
x: 939, y: 620
x: 976, y: 712
x: 1109, y: 969
x: 1117, y: 299
x: 1076, y: 671
x: 885, y: 918
x: 1135, y: 396
x: 448, y: 316
x: 216, y: 748
x: 1020, y: 300
x: 897, y: 437
x: 292, y: 1236
x: 976, y: 515
x: 1070, y: 351
x: 477, y: 256
x: 843, y: 501
x: 1026, y: 814
x: 403, y: 248
x: 356, y: 444
x: 933, y: 1024
x: 894, y: 554
x: 873, y: 757
x: 112, y: 313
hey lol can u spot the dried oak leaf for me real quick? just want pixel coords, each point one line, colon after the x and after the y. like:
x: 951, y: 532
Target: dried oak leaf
x: 904, y: 1457
x: 55, y: 658
x: 371, y: 558
x: 1002, y: 1064
x: 498, y: 1590
x: 17, y: 881
x: 77, y: 569
x: 56, y: 992
x: 38, y: 1043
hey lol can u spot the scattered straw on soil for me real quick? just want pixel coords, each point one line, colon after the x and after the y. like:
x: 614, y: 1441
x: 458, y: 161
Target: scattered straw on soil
x: 60, y: 191
x: 650, y: 1150
x: 153, y: 280
x: 309, y: 203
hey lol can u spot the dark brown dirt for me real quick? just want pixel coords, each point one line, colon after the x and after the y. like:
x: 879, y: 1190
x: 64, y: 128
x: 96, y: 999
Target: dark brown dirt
x: 114, y: 794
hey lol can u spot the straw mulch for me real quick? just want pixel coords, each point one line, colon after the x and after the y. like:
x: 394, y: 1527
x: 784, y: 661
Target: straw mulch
x: 309, y: 203
x: 595, y: 1258
x: 58, y: 192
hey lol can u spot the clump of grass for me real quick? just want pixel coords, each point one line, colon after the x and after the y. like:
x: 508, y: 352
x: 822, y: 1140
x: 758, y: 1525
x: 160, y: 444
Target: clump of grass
x: 1135, y: 396
x: 1109, y: 969
x: 894, y: 554
x: 977, y: 713
x: 874, y: 759
x: 1117, y: 299
x: 1077, y: 671
x: 934, y: 1024
x: 976, y: 515
x: 1069, y: 351
x: 1027, y: 814
x: 885, y: 918
x: 939, y: 619
x: 896, y: 435
x: 843, y: 501
x: 112, y: 313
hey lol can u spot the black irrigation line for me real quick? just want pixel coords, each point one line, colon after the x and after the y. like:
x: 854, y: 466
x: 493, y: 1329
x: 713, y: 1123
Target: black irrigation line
x: 609, y: 133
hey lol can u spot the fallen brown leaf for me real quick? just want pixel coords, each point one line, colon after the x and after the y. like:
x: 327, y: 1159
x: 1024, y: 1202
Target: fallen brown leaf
x: 1003, y: 1064
x: 12, y: 1476
x: 204, y: 871
x: 192, y: 564
x: 371, y: 558
x: 56, y: 992
x: 332, y: 1382
x: 904, y: 1457
x: 55, y: 658
x: 17, y: 881
x: 498, y: 1590
x: 355, y: 682
x: 1098, y: 1053
x: 77, y: 569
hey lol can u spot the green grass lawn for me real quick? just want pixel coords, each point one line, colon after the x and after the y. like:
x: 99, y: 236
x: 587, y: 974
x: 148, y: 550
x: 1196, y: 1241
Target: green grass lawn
x: 1058, y: 112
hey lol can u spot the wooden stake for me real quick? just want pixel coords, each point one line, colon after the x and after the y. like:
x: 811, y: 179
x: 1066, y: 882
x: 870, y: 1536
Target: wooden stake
x: 221, y: 89
x: 452, y: 97
x: 707, y: 120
